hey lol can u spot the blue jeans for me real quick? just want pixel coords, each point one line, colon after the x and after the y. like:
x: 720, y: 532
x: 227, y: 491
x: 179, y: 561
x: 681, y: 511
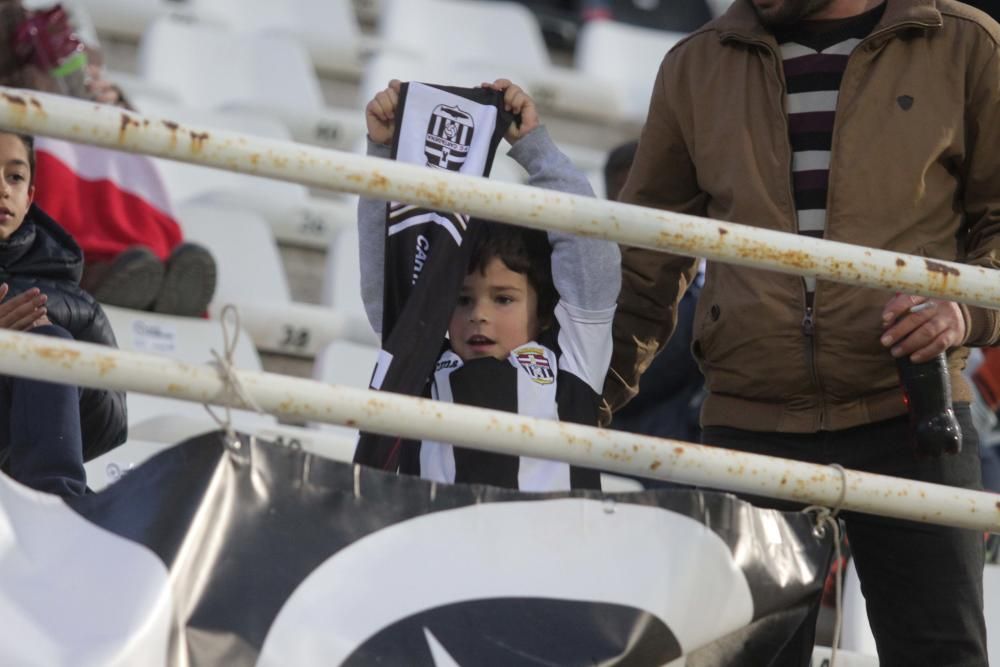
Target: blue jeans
x: 40, y: 442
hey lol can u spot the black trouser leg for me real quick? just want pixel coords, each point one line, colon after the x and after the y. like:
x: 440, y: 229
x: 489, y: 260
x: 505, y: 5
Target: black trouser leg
x: 41, y: 423
x: 922, y: 583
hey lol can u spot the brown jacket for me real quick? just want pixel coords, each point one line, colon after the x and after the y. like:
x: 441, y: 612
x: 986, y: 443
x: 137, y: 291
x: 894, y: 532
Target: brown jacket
x: 925, y: 181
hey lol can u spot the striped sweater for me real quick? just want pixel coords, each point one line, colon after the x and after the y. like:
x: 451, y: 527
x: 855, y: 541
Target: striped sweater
x: 814, y: 56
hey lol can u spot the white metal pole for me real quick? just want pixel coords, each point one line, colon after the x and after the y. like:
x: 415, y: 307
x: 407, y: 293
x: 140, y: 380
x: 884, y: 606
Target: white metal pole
x: 111, y: 127
x: 84, y: 364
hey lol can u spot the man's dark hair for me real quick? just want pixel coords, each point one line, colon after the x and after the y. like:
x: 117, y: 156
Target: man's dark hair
x: 29, y: 146
x: 521, y: 250
x: 616, y: 167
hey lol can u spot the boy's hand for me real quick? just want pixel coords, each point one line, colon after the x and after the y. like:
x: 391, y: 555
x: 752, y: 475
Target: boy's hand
x: 518, y: 102
x: 25, y: 311
x: 380, y: 114
x: 102, y: 90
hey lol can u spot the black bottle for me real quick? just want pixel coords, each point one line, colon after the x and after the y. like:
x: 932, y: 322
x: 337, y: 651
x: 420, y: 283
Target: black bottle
x: 934, y: 430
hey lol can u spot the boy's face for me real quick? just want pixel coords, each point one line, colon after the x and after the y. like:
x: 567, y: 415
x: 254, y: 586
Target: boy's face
x: 16, y: 191
x: 497, y: 312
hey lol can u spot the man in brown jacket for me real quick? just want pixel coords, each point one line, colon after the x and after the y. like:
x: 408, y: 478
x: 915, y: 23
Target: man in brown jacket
x: 872, y: 122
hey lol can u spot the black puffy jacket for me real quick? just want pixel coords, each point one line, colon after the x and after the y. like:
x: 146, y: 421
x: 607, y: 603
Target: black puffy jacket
x: 42, y: 254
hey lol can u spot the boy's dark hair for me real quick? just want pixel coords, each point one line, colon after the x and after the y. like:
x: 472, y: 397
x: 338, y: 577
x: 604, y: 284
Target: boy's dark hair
x: 29, y: 146
x: 524, y: 251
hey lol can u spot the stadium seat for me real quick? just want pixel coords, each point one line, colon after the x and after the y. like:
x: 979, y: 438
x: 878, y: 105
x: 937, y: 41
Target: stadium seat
x: 342, y: 275
x: 389, y: 64
x: 348, y: 364
x: 129, y: 18
x: 719, y: 7
x: 856, y: 635
x: 252, y: 277
x: 822, y: 654
x: 209, y: 67
x: 249, y: 264
x: 460, y: 32
x: 156, y: 423
x: 328, y: 29
x: 422, y: 29
x: 624, y: 60
x: 112, y: 466
x: 187, y: 340
x: 295, y: 217
x: 991, y: 607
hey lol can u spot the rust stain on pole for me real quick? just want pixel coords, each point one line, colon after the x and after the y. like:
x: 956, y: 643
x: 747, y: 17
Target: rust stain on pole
x: 57, y: 354
x: 198, y: 140
x: 123, y: 129
x: 105, y: 364
x: 937, y: 267
x: 15, y: 99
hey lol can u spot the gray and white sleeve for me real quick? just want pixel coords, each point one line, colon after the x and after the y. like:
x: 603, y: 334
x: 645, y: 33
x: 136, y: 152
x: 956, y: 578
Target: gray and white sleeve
x: 371, y: 248
x: 586, y: 271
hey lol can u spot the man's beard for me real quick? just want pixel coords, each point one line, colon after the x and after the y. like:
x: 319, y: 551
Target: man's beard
x: 786, y: 12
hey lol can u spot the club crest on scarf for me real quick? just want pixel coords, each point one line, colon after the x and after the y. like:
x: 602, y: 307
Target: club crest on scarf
x: 535, y: 364
x: 449, y: 137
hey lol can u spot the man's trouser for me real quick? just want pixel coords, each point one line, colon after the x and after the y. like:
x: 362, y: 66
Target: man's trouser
x: 923, y: 583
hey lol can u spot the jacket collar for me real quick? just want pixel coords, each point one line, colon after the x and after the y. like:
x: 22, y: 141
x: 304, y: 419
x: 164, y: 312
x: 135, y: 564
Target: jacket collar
x: 740, y: 22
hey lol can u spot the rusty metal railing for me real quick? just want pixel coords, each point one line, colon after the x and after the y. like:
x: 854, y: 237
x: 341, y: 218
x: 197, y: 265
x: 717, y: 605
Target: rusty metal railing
x: 115, y: 128
x: 92, y: 365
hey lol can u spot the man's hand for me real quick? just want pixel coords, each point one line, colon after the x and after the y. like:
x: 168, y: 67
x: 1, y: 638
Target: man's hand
x: 23, y: 312
x: 921, y: 327
x: 380, y: 114
x: 518, y: 102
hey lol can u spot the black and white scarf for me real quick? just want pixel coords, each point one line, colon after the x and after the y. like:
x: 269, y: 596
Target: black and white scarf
x: 426, y: 251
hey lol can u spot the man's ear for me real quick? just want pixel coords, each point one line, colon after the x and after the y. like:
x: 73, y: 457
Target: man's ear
x: 31, y: 194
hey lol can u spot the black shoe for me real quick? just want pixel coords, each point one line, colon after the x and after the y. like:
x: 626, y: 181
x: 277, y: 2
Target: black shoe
x: 189, y: 283
x: 131, y: 280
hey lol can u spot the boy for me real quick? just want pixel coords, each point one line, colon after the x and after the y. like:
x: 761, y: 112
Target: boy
x: 531, y: 331
x: 46, y: 429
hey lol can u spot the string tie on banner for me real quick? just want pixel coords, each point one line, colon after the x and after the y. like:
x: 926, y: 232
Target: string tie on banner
x: 233, y: 387
x: 827, y: 517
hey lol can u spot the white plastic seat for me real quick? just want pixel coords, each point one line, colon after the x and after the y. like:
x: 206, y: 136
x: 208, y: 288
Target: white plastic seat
x: 991, y: 609
x: 719, y: 7
x: 856, y: 635
x: 187, y: 340
x: 251, y: 276
x: 156, y: 423
x: 388, y: 64
x: 476, y: 47
x: 112, y: 466
x: 328, y: 29
x: 348, y: 364
x: 247, y: 258
x: 209, y: 67
x: 624, y: 59
x: 457, y: 31
x: 293, y: 214
x: 342, y: 275
x: 129, y: 18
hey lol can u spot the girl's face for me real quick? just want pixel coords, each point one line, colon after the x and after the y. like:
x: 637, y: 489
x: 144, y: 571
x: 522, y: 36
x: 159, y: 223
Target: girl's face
x: 497, y: 312
x: 16, y: 191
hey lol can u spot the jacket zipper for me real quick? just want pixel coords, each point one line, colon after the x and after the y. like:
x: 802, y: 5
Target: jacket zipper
x: 808, y: 324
